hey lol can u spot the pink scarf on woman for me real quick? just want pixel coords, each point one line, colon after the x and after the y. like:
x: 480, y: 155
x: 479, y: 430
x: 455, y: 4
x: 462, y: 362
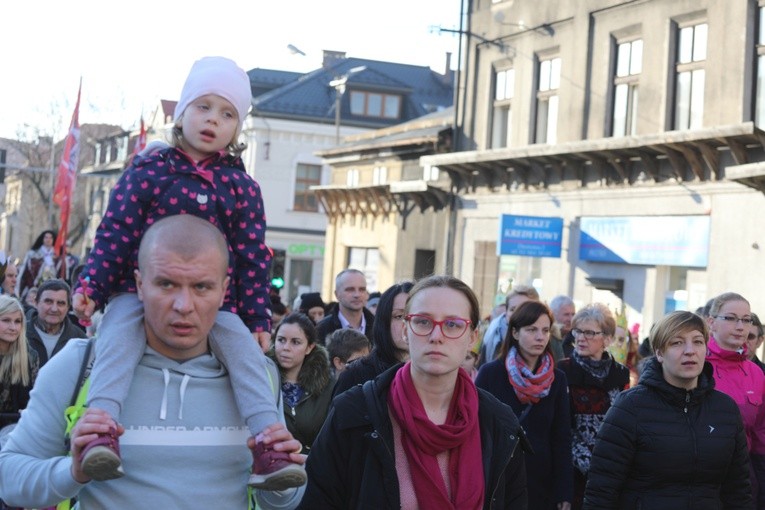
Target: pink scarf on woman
x: 423, y: 441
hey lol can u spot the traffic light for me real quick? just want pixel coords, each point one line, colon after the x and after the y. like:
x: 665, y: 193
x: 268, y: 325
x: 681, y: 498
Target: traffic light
x: 277, y: 269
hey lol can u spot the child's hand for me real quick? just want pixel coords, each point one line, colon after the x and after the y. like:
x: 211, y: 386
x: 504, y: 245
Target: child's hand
x: 264, y: 339
x: 83, y: 307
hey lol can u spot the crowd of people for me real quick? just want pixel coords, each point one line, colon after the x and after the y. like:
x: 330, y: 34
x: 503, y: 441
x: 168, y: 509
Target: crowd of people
x: 193, y: 385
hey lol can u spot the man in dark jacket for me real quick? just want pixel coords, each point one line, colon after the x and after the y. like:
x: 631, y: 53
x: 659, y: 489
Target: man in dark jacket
x: 49, y: 327
x: 350, y: 312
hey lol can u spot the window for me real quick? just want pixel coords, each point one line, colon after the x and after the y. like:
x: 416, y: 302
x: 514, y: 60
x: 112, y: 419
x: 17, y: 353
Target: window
x: 13, y: 197
x: 306, y: 176
x: 379, y: 175
x: 430, y: 173
x: 424, y: 263
x: 547, y: 101
x: 366, y: 260
x: 122, y: 148
x: 689, y: 85
x: 352, y: 178
x: 373, y: 104
x: 629, y: 65
x: 504, y: 85
x: 759, y: 107
x: 300, y: 276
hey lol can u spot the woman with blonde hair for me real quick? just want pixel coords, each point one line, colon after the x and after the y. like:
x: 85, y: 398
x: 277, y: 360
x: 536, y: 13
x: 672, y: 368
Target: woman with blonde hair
x: 18, y: 363
x: 421, y: 435
x: 730, y: 322
x: 673, y: 441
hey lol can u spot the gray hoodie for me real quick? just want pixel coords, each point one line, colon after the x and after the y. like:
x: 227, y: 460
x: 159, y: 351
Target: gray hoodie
x: 183, y: 447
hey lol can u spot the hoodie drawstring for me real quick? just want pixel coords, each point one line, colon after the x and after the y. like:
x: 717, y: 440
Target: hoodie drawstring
x: 184, y: 384
x: 163, y: 409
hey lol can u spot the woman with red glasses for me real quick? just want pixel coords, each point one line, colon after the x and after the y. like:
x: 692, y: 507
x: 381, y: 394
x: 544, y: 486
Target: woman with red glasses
x: 594, y: 381
x: 730, y: 321
x: 421, y: 435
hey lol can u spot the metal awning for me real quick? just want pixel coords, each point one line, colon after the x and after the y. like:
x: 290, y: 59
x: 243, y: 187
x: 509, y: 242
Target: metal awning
x: 401, y: 197
x: 702, y: 154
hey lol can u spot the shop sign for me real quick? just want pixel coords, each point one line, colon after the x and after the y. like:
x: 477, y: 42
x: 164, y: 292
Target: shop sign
x: 305, y: 250
x: 646, y: 240
x: 530, y: 236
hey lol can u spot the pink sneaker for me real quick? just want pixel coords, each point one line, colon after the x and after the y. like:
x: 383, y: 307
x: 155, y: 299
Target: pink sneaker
x: 100, y: 459
x: 274, y: 471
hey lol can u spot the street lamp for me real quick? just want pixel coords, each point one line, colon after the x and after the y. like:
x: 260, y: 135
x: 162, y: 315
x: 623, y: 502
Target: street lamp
x: 339, y: 85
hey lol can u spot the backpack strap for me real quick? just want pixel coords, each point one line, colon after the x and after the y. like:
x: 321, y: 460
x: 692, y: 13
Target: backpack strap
x: 77, y: 405
x: 80, y: 393
x: 369, y: 395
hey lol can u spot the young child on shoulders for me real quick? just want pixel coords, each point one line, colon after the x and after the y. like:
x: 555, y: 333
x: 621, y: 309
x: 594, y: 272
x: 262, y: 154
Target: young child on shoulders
x: 200, y: 174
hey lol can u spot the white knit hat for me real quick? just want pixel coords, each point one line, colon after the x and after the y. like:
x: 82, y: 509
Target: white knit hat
x: 219, y: 76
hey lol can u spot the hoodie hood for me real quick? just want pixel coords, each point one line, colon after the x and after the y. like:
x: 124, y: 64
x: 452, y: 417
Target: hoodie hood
x: 205, y: 366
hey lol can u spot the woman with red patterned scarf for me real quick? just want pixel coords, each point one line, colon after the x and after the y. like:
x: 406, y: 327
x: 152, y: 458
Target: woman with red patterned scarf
x: 525, y: 378
x: 421, y: 435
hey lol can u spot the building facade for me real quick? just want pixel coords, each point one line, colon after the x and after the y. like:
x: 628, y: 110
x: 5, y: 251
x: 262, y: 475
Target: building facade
x: 387, y: 216
x: 295, y: 117
x: 611, y: 151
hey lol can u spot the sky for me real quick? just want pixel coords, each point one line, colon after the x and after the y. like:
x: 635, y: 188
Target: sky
x: 132, y: 54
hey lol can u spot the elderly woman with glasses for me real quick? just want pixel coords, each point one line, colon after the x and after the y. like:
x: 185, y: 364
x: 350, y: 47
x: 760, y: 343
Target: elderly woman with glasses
x: 730, y: 322
x: 594, y: 381
x: 421, y: 435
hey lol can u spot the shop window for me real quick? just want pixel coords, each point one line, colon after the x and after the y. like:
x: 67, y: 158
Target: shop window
x: 366, y: 260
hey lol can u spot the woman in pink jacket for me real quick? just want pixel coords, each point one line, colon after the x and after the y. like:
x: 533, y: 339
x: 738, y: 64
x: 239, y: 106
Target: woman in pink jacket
x: 730, y: 319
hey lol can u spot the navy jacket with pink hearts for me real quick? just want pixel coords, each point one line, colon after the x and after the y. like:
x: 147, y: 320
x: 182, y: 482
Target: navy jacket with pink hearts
x: 167, y: 182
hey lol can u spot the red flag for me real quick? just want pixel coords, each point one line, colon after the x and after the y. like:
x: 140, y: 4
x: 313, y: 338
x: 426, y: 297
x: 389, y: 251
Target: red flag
x: 67, y: 172
x: 140, y: 143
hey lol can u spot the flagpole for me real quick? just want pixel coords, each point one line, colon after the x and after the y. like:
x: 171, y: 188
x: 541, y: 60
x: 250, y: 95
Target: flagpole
x: 52, y: 179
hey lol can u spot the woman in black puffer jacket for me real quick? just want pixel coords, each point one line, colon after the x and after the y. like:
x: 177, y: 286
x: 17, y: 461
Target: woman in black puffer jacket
x: 672, y: 442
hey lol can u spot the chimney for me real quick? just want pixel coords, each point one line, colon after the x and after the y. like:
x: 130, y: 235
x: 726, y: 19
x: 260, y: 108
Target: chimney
x: 448, y: 77
x: 330, y: 57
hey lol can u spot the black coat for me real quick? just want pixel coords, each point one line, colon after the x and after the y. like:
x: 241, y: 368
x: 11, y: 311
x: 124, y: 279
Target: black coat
x: 352, y: 465
x: 666, y: 448
x: 331, y: 323
x: 549, y: 469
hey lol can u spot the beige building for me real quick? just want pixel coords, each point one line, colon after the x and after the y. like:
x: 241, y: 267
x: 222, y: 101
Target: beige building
x: 611, y: 151
x: 387, y: 216
x: 606, y: 150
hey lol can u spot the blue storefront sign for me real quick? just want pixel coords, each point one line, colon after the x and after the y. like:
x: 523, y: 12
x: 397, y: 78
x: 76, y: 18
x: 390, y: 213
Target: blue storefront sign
x: 646, y: 240
x: 530, y: 236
